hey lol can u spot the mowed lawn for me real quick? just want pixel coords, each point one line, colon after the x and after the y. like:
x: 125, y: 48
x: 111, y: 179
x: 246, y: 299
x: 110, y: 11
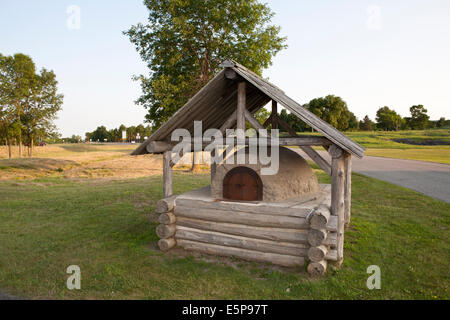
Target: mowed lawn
x: 108, y: 229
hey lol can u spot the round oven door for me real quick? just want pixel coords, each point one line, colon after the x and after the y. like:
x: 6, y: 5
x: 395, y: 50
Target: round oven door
x: 242, y: 183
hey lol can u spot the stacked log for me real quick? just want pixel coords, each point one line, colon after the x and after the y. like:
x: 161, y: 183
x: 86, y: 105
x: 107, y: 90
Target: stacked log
x: 281, y: 235
x: 256, y: 234
x: 167, y: 228
x: 322, y: 238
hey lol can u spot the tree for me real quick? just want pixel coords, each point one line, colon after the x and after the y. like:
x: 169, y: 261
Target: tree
x: 17, y: 74
x: 184, y: 43
x: 41, y: 107
x: 441, y: 122
x: 100, y: 134
x: 366, y: 124
x: 419, y: 117
x: 333, y: 110
x: 28, y: 101
x: 388, y: 119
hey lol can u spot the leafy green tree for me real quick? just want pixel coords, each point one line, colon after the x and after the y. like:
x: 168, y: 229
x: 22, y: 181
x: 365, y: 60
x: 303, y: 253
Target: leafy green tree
x: 441, y: 122
x: 333, y: 110
x: 419, y: 117
x: 388, y: 119
x: 40, y: 108
x: 131, y: 133
x: 17, y: 74
x: 185, y: 41
x: 366, y: 124
x: 100, y: 134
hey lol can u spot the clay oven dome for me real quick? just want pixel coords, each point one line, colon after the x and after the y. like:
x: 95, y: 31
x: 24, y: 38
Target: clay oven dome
x: 294, y: 180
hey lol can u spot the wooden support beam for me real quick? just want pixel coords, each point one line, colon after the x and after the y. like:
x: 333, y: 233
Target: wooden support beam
x: 241, y: 105
x: 213, y: 164
x: 313, y: 154
x: 337, y: 195
x: 267, y: 122
x: 274, y: 114
x: 167, y: 174
x: 229, y: 123
x: 159, y: 146
x: 317, y: 158
x: 253, y: 121
x: 348, y: 187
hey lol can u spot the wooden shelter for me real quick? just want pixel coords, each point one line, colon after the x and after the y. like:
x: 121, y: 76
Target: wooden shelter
x: 284, y: 233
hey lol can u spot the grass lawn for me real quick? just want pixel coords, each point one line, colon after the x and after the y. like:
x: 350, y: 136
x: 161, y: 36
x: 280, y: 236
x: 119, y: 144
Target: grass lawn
x: 439, y: 154
x: 108, y: 229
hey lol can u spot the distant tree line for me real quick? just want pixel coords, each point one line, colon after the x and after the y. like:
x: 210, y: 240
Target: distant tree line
x: 101, y: 134
x: 334, y: 110
x: 29, y: 102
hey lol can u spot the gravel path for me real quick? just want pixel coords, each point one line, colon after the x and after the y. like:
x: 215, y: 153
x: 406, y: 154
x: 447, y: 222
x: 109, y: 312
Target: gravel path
x: 429, y: 178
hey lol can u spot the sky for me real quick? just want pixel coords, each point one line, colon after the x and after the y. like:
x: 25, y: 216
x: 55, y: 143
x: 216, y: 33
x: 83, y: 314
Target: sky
x: 392, y: 53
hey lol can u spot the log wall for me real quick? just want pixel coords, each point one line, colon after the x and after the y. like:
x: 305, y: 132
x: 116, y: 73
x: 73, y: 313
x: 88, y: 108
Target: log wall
x: 285, y: 236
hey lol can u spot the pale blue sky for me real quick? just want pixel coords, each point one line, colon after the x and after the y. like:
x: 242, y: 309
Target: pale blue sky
x: 371, y: 53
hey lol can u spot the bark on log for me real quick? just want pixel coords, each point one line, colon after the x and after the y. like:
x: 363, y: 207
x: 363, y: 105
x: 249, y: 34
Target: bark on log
x: 337, y: 194
x: 275, y: 234
x: 331, y: 255
x: 251, y: 219
x: 167, y: 174
x: 159, y: 147
x: 320, y: 217
x: 241, y: 242
x: 249, y: 255
x: 348, y: 188
x: 274, y: 114
x: 316, y: 237
x: 331, y: 240
x: 167, y: 218
x: 317, y: 254
x: 241, y: 105
x: 166, y: 244
x: 165, y: 205
x: 317, y: 268
x: 293, y: 211
x: 165, y: 231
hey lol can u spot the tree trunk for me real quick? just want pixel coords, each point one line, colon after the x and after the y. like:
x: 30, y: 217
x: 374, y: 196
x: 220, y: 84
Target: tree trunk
x: 31, y: 146
x: 9, y: 148
x: 195, y: 165
x: 20, y: 146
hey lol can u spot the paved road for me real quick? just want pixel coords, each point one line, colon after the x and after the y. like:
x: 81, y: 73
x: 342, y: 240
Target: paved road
x: 431, y: 179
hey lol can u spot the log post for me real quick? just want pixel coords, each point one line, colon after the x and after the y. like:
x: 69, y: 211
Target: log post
x: 213, y: 164
x: 167, y: 174
x: 274, y: 114
x: 241, y: 105
x: 348, y: 188
x: 337, y: 195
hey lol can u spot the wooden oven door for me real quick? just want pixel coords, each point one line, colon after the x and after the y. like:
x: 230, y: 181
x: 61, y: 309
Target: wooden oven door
x: 242, y: 183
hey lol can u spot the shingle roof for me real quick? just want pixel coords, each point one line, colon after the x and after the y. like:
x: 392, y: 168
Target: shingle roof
x: 216, y: 101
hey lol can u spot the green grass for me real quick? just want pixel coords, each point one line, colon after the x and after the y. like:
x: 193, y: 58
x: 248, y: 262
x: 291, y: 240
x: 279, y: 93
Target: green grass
x: 385, y: 139
x: 108, y: 229
x: 431, y: 154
